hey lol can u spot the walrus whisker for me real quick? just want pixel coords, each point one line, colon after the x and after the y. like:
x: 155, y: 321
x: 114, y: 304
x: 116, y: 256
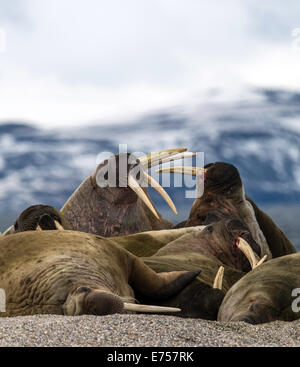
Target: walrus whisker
x: 147, y: 308
x: 153, y: 183
x: 134, y: 185
x: 219, y: 278
x: 187, y: 170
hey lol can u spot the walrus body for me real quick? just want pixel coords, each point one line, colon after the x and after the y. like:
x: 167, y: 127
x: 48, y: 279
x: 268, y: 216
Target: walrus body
x: 265, y: 294
x: 224, y: 197
x: 209, y: 249
x: 73, y: 273
x: 217, y: 242
x: 199, y: 299
x: 121, y: 207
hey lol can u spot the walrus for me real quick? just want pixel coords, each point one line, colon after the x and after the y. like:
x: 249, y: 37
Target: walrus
x: 38, y: 217
x: 224, y: 251
x: 223, y: 191
x: 265, y: 294
x: 126, y: 208
x: 74, y: 273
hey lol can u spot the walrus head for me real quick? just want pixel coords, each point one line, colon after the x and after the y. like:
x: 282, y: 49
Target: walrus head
x: 228, y: 241
x: 114, y: 201
x: 38, y: 217
x: 223, y: 197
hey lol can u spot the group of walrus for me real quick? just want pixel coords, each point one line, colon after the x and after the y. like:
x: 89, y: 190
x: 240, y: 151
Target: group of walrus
x: 109, y: 251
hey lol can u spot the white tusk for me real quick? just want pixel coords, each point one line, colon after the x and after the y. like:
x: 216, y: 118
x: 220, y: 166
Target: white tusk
x: 148, y: 160
x: 146, y: 308
x: 153, y: 183
x: 134, y: 185
x: 249, y: 253
x: 59, y: 226
x: 171, y: 158
x: 193, y: 171
x: 219, y: 278
x: 10, y: 230
x: 261, y: 261
x: 38, y: 228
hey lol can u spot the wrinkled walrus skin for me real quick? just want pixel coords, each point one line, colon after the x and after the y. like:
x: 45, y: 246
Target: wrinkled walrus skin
x: 110, y: 211
x: 264, y: 294
x: 191, y: 248
x: 208, y: 250
x: 74, y: 273
x: 224, y: 195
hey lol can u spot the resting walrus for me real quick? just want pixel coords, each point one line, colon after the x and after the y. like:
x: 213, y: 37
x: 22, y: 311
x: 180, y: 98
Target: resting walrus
x: 265, y: 294
x: 74, y: 273
x: 224, y: 251
x: 123, y: 207
x: 223, y: 191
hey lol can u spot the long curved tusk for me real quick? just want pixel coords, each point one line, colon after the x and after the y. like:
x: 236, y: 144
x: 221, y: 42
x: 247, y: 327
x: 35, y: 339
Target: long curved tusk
x: 249, y: 253
x: 146, y: 308
x: 172, y: 158
x: 219, y: 278
x: 193, y: 171
x: 134, y: 185
x: 153, y: 183
x: 153, y: 159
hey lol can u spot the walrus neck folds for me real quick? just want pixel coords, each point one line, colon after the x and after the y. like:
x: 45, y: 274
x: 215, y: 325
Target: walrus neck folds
x: 247, y: 214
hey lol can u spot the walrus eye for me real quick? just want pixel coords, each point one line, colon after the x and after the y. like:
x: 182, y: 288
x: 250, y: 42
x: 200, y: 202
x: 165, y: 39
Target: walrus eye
x: 209, y: 229
x: 230, y: 190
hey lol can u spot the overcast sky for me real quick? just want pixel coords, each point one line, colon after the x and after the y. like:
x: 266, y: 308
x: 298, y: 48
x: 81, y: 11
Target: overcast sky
x: 79, y: 61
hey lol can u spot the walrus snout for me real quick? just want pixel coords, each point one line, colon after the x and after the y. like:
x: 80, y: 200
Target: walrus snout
x: 102, y: 303
x: 88, y: 301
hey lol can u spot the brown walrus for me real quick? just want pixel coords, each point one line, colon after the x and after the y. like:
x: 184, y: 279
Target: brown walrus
x: 74, y: 273
x: 265, y: 294
x: 224, y: 193
x: 97, y: 207
x: 224, y: 251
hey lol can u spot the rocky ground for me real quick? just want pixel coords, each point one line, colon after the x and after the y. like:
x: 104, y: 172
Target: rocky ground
x: 142, y: 331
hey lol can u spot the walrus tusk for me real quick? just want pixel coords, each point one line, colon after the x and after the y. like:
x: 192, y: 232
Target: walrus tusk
x: 153, y: 159
x: 261, y: 260
x: 59, y: 226
x: 146, y: 308
x: 249, y: 253
x: 134, y: 185
x: 193, y: 171
x: 8, y: 231
x: 172, y: 158
x: 219, y: 278
x: 153, y: 183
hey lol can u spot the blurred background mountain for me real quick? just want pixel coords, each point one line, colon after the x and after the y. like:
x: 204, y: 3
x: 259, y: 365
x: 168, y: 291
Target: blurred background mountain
x: 261, y: 138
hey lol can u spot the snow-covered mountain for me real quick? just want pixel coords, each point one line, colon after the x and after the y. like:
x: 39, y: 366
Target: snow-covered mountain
x: 261, y: 137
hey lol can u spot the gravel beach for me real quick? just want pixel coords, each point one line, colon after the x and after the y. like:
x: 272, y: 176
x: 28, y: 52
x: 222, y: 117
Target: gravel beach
x: 142, y: 331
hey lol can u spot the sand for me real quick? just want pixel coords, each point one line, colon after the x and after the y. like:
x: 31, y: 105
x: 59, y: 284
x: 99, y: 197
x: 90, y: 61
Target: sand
x: 142, y: 331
